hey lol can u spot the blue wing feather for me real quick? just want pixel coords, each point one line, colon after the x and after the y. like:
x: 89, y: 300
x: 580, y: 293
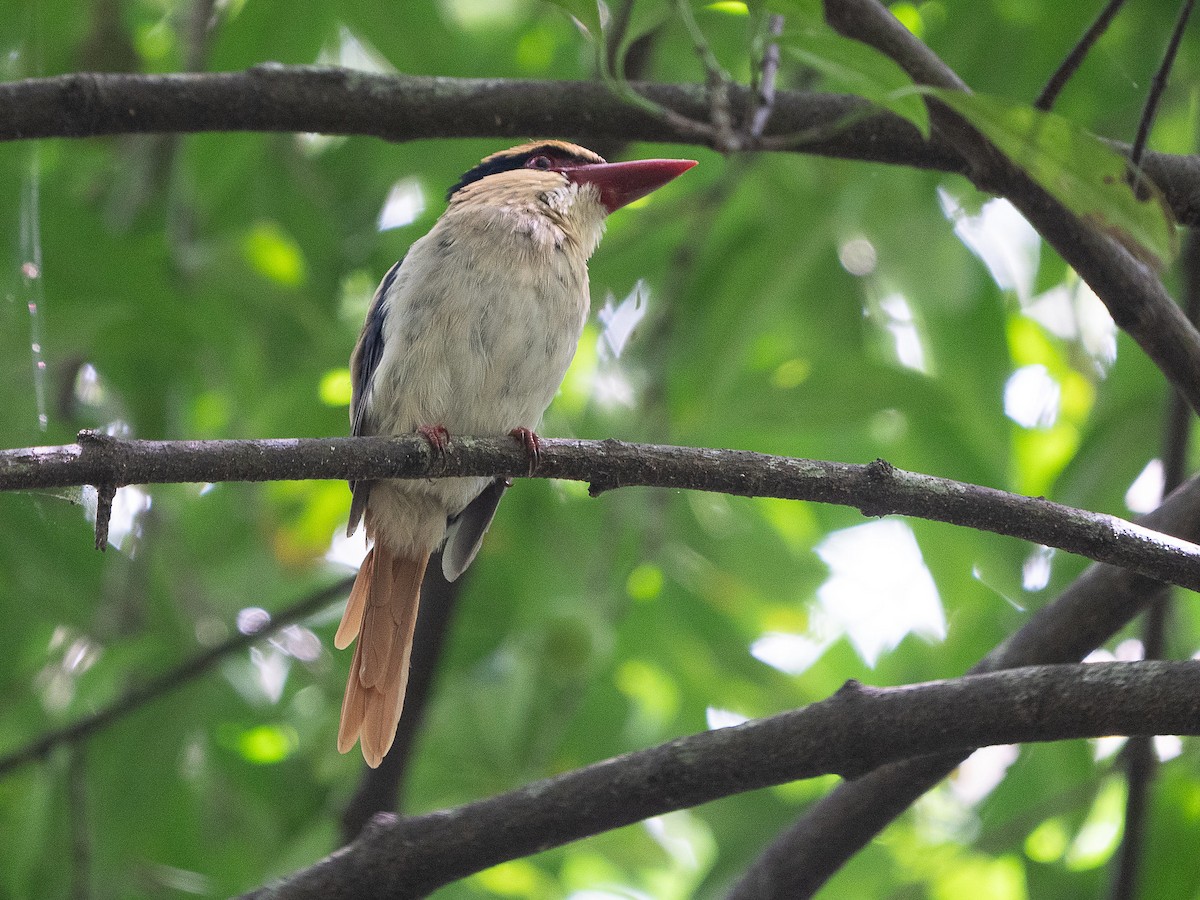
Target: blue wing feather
x: 363, y: 363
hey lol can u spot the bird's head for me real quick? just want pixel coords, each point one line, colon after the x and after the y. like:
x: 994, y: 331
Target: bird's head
x: 545, y: 165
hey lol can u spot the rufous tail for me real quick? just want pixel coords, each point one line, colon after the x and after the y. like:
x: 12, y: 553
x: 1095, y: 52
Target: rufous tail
x: 381, y: 613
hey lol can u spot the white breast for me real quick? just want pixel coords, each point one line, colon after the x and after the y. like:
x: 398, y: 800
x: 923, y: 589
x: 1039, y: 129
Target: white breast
x: 482, y: 321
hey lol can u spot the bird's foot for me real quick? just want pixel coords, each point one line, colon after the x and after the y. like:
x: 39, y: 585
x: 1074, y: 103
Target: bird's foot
x: 438, y: 437
x: 532, y: 445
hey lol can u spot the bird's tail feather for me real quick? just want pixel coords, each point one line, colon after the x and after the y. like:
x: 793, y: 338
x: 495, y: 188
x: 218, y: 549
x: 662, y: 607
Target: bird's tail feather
x: 381, y: 613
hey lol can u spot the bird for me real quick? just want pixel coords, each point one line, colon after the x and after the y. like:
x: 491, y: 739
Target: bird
x: 470, y: 333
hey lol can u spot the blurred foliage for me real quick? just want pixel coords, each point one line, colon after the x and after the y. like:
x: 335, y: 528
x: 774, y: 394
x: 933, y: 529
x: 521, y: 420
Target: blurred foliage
x: 213, y: 286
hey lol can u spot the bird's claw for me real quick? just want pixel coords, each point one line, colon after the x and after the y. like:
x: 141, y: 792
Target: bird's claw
x: 532, y: 445
x: 438, y: 437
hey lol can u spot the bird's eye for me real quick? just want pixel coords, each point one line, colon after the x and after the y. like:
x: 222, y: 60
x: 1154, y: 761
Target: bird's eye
x: 539, y: 162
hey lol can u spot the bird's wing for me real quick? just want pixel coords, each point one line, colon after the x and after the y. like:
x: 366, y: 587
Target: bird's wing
x: 363, y: 362
x: 464, y: 532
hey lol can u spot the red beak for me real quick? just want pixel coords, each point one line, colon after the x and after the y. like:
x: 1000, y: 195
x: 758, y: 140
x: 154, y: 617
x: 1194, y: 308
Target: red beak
x: 623, y: 182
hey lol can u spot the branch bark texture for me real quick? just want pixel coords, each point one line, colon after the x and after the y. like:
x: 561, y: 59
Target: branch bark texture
x: 1131, y: 290
x: 853, y: 731
x: 273, y: 97
x: 1094, y: 608
x: 877, y: 489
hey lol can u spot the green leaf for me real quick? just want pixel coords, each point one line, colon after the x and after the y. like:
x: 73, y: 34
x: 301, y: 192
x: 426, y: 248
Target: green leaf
x: 856, y: 68
x: 1076, y: 168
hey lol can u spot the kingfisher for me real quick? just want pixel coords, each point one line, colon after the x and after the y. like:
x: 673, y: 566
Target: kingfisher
x: 470, y: 333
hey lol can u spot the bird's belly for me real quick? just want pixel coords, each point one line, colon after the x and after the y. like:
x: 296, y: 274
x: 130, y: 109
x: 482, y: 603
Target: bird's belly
x: 486, y: 363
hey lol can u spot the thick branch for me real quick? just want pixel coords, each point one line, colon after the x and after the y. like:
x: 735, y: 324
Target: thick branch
x: 406, y: 107
x: 1094, y: 608
x: 876, y: 489
x: 1132, y: 291
x: 1088, y: 613
x: 853, y: 731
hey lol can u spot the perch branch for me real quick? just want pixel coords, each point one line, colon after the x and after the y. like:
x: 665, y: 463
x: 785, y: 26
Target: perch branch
x: 877, y: 489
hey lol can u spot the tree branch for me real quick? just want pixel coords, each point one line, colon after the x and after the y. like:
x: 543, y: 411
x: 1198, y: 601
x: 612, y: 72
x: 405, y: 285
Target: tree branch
x: 1158, y: 84
x: 1077, y: 55
x: 169, y: 681
x: 1141, y: 764
x: 1132, y: 292
x: 273, y: 97
x: 855, y: 730
x: 1094, y: 608
x: 1089, y: 612
x: 877, y: 489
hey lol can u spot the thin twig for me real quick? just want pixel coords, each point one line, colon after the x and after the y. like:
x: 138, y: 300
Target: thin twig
x: 1157, y: 86
x: 610, y: 62
x: 105, y: 493
x: 766, y: 84
x: 712, y: 65
x: 164, y: 684
x: 1075, y: 58
x: 717, y: 79
x: 625, y: 91
x: 614, y: 37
